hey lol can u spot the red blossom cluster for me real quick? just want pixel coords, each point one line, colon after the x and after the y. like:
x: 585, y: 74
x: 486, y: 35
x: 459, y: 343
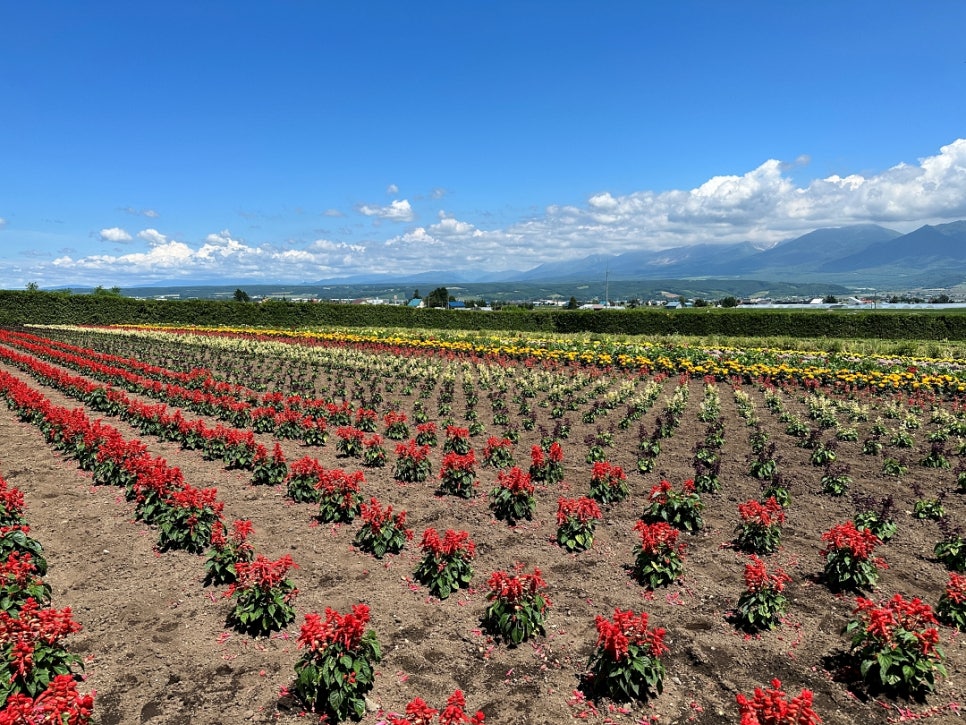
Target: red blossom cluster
x: 427, y: 428
x: 18, y: 570
x: 516, y: 587
x: 453, y: 543
x: 345, y: 630
x: 516, y: 481
x: 376, y: 517
x: 664, y: 491
x: 765, y: 514
x: 956, y: 588
x: 615, y: 636
x: 418, y: 712
x: 394, y: 418
x: 336, y: 483
x: 607, y: 474
x: 32, y: 625
x: 454, y: 432
x: 659, y: 538
x: 583, y: 509
x: 553, y: 454
x: 11, y: 503
x: 412, y: 451
x: 350, y: 433
x: 456, y: 463
x: 861, y: 543
x: 769, y: 707
x: 899, y: 615
x: 493, y: 443
x: 189, y: 497
x: 365, y: 417
x: 757, y: 577
x: 262, y: 455
x: 60, y: 703
x: 261, y: 573
x: 241, y: 529
x: 306, y: 468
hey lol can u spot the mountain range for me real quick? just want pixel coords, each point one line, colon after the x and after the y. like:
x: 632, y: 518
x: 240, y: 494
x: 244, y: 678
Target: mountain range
x: 865, y: 255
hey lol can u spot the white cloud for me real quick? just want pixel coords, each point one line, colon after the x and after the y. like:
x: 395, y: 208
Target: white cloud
x: 392, y: 189
x: 115, y: 234
x: 152, y: 237
x: 3, y: 222
x: 326, y: 246
x: 762, y: 205
x: 398, y: 210
x: 163, y: 257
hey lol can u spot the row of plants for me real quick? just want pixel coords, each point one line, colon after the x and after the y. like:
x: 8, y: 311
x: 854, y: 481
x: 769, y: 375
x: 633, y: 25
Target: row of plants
x: 842, y: 370
x: 39, y: 674
x: 337, y: 666
x: 672, y: 514
x: 460, y: 480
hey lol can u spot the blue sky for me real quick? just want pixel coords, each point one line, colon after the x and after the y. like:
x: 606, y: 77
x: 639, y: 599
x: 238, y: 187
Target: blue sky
x: 296, y: 140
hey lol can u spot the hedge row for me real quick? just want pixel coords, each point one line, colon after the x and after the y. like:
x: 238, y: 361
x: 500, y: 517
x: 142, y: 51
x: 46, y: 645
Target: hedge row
x: 21, y: 307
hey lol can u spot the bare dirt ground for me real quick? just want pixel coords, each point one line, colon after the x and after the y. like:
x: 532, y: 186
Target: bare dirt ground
x: 157, y: 648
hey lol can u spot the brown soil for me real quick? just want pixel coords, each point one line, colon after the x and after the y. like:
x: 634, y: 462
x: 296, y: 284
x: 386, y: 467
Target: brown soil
x: 157, y: 648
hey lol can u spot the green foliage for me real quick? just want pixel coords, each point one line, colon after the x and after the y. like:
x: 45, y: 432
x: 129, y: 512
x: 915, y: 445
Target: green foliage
x: 896, y: 645
x: 445, y: 566
x: 337, y: 668
x: 951, y: 551
x: 41, y: 307
x: 518, y: 604
x: 439, y: 297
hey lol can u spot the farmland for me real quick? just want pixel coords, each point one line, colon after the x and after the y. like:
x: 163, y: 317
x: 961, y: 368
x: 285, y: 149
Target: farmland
x: 829, y: 436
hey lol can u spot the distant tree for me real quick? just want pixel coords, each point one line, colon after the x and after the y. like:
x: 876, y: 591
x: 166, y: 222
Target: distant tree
x: 830, y: 299
x: 33, y: 287
x: 728, y: 301
x: 634, y: 303
x: 572, y: 303
x: 415, y: 295
x: 439, y: 297
x: 100, y: 291
x: 700, y: 302
x: 940, y: 299
x: 241, y: 296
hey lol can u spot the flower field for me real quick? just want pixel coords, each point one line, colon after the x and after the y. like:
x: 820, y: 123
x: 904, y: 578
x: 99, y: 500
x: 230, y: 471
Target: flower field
x: 405, y: 527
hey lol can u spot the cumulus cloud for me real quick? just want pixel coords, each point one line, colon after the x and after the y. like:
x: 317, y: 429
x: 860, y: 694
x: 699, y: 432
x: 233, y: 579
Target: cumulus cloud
x: 221, y: 254
x: 763, y: 204
x: 115, y: 234
x: 398, y: 210
x: 152, y: 237
x: 392, y: 189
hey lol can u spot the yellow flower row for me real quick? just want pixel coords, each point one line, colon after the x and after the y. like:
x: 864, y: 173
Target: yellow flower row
x: 721, y: 363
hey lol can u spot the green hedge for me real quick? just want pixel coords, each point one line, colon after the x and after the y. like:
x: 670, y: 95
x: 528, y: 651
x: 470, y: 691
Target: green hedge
x: 21, y: 307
